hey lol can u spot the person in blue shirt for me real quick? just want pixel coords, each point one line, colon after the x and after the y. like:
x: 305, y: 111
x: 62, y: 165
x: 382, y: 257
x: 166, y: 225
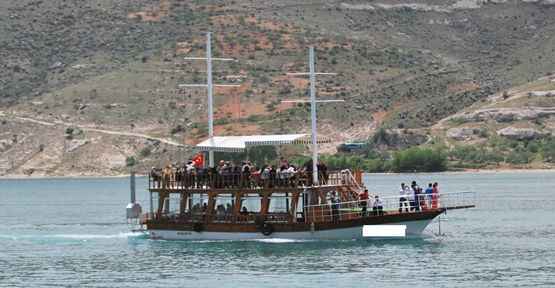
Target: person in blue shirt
x: 429, y: 191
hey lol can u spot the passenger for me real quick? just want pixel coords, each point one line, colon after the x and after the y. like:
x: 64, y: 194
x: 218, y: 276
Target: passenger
x: 265, y: 176
x: 236, y: 176
x: 377, y: 208
x: 421, y: 199
x: 363, y: 197
x: 273, y: 176
x: 190, y: 171
x: 246, y: 174
x: 244, y: 211
x: 204, y: 208
x: 404, y: 196
x: 255, y: 177
x: 292, y: 174
x: 220, y: 212
x: 435, y: 195
x: 322, y: 173
x: 334, y: 206
x: 414, y: 201
x: 156, y: 177
x: 167, y: 176
x: 429, y: 191
x: 282, y: 175
x: 283, y: 163
x: 221, y: 166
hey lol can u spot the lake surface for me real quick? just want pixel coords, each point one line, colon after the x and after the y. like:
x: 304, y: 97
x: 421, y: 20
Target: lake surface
x: 72, y: 233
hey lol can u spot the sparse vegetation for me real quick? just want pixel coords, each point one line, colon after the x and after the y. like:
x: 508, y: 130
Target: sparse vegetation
x: 418, y: 159
x: 130, y: 161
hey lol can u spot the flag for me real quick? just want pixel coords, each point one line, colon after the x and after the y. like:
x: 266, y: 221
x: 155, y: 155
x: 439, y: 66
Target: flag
x: 198, y: 160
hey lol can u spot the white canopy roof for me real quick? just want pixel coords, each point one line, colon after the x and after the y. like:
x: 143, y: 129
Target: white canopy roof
x: 239, y: 143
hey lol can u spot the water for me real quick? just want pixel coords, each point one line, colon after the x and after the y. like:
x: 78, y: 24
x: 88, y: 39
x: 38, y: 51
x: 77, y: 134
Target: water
x: 72, y: 233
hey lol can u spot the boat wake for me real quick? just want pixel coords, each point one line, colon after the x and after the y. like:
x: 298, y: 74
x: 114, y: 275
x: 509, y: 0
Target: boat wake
x: 282, y: 240
x: 121, y: 235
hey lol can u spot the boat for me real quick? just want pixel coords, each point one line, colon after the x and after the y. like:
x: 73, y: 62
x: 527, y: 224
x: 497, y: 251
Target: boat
x: 204, y: 201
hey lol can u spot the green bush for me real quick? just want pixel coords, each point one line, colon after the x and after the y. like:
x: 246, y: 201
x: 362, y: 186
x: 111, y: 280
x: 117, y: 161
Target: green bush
x: 548, y: 150
x: 145, y: 152
x: 419, y: 160
x: 130, y: 161
x: 473, y: 154
x: 520, y: 157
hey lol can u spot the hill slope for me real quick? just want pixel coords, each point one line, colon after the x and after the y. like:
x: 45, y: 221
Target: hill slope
x: 115, y: 66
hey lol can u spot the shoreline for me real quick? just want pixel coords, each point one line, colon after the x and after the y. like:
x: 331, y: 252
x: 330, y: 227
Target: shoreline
x: 466, y: 171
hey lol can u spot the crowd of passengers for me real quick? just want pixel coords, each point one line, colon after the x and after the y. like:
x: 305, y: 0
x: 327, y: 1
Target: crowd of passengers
x: 227, y: 175
x: 414, y: 198
x: 411, y: 198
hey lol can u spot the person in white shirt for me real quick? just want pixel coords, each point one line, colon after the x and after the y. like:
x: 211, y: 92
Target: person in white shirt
x: 404, y: 194
x: 377, y: 208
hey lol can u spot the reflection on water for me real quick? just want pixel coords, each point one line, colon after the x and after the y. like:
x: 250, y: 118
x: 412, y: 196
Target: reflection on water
x: 73, y: 233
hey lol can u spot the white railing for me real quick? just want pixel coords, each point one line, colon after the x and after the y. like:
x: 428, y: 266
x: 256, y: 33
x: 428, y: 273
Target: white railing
x: 330, y: 212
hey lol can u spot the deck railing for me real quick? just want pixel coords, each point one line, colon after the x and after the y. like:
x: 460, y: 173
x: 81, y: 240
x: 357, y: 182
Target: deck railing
x: 206, y: 180
x: 333, y: 212
x: 194, y: 217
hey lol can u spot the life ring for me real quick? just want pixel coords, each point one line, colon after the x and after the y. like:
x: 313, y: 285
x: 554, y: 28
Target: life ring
x: 267, y: 229
x: 198, y: 227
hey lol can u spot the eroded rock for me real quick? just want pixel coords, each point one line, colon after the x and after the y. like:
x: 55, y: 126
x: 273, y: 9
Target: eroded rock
x: 461, y: 134
x: 522, y: 133
x: 505, y: 114
x: 75, y: 144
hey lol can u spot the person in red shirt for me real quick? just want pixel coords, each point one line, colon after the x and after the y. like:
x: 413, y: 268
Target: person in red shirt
x: 363, y: 198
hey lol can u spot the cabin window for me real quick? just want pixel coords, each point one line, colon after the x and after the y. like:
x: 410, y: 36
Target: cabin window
x: 174, y: 202
x: 224, y: 206
x: 153, y: 202
x: 251, y: 202
x: 279, y: 203
x: 198, y: 202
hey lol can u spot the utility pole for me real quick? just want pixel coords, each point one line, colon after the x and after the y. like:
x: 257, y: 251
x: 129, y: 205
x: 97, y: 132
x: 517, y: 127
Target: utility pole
x: 313, y: 117
x: 209, y: 90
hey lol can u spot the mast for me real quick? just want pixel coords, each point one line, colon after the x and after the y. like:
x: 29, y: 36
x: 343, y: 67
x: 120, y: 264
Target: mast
x: 313, y: 109
x: 210, y: 96
x: 209, y: 89
x: 314, y: 128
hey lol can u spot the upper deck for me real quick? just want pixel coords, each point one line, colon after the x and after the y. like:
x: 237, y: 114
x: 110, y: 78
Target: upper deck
x: 208, y: 180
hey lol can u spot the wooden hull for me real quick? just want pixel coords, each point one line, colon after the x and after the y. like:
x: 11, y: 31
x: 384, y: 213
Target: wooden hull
x: 344, y: 230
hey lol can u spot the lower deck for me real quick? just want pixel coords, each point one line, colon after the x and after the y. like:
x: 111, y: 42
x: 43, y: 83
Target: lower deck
x: 177, y: 224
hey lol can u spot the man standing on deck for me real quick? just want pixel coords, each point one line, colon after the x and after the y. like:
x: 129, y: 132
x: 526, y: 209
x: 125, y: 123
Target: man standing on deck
x: 414, y: 205
x: 363, y: 197
x: 334, y: 206
x: 404, y: 195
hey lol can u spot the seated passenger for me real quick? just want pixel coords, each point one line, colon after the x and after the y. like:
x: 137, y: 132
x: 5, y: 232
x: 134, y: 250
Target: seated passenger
x: 244, y: 211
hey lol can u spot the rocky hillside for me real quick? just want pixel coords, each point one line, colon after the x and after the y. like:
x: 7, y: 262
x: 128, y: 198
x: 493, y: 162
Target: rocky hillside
x: 516, y: 126
x: 90, y: 87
